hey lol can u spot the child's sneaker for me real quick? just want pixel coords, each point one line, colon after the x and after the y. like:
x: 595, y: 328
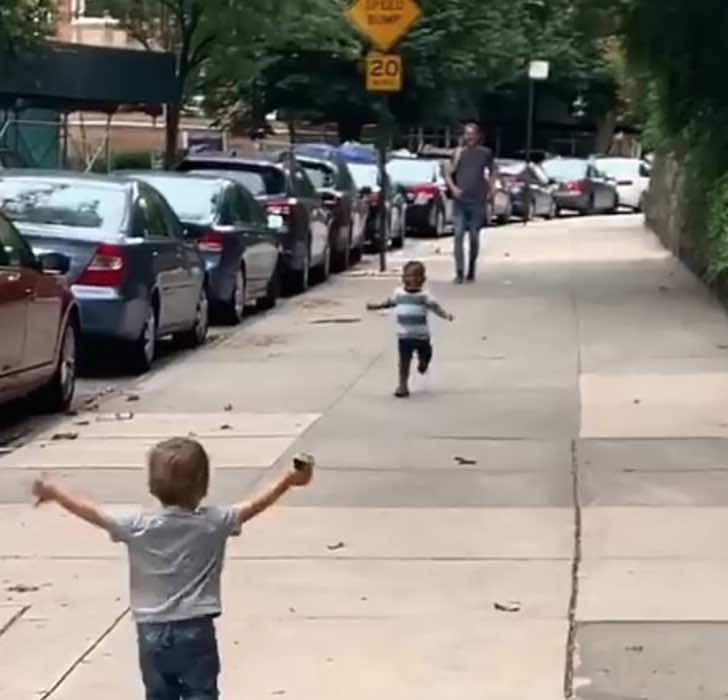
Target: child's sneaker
x: 402, y: 392
x: 423, y: 366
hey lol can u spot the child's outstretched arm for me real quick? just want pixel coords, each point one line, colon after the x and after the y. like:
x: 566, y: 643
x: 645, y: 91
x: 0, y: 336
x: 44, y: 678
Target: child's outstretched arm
x: 435, y: 307
x: 295, y: 476
x: 378, y: 305
x: 46, y: 492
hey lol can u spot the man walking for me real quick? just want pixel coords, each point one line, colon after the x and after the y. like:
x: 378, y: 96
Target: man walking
x: 468, y: 176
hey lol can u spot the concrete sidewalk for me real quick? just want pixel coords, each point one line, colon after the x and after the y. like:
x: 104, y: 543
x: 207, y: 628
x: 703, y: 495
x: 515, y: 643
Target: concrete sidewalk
x: 570, y: 432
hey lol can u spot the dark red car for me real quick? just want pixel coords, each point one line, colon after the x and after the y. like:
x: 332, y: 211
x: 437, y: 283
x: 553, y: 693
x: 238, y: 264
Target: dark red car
x: 39, y: 322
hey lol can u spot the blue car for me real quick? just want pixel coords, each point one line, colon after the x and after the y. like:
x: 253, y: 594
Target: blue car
x: 231, y: 231
x: 133, y: 273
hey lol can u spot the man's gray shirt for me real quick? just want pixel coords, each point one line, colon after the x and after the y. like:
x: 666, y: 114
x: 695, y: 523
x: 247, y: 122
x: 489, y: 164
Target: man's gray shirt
x: 470, y: 175
x: 175, y: 560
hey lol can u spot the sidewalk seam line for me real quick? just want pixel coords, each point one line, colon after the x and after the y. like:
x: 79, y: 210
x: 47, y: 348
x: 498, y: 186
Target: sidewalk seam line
x: 571, y: 641
x: 14, y: 619
x: 65, y: 675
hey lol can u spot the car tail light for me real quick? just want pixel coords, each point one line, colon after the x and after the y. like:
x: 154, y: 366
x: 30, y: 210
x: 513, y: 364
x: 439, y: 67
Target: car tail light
x: 211, y: 242
x: 282, y: 207
x: 107, y: 267
x: 424, y: 193
x: 575, y: 186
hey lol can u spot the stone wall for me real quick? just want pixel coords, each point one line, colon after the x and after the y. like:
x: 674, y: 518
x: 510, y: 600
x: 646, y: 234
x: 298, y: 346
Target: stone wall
x: 664, y: 207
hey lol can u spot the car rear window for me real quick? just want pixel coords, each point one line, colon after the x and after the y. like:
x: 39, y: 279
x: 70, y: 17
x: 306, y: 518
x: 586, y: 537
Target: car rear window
x: 412, y: 172
x: 320, y: 174
x: 365, y: 175
x: 258, y: 179
x: 510, y: 167
x: 194, y: 200
x: 75, y: 204
x: 565, y: 168
x: 619, y: 167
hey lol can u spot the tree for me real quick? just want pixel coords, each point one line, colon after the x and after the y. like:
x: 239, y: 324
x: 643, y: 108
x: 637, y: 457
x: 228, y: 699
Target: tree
x: 23, y: 22
x: 210, y: 39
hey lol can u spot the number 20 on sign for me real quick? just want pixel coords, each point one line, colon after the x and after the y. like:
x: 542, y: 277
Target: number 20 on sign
x: 384, y: 72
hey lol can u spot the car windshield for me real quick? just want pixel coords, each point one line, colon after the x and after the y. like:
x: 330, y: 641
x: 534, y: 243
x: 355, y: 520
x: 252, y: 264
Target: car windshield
x: 365, y: 175
x: 259, y: 179
x: 412, y: 172
x: 510, y: 167
x: 75, y: 204
x: 320, y: 174
x: 619, y: 167
x: 194, y: 200
x: 565, y: 168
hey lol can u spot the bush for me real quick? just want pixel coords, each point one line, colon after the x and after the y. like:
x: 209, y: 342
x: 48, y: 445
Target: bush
x: 139, y: 160
x: 716, y: 241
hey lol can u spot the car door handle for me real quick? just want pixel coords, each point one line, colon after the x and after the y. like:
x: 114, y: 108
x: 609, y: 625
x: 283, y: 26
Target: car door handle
x: 30, y: 293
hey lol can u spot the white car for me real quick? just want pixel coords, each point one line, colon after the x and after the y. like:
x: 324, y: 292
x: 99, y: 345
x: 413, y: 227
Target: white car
x: 631, y: 177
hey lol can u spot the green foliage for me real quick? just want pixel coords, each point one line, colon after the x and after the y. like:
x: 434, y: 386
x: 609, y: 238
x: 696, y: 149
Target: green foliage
x: 716, y: 243
x: 133, y: 160
x: 24, y: 22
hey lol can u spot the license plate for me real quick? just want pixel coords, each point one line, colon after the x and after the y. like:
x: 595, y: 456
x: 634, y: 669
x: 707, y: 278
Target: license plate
x: 275, y: 221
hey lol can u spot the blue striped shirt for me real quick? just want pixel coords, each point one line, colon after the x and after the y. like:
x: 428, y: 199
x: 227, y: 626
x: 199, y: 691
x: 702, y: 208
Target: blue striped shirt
x: 411, y: 310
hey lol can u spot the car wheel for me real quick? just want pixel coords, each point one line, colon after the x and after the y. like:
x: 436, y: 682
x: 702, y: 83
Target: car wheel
x: 531, y: 211
x: 197, y: 335
x: 590, y: 209
x: 614, y: 209
x: 57, y: 395
x: 300, y: 279
x: 342, y: 258
x: 235, y: 307
x: 438, y: 228
x: 552, y: 212
x: 144, y: 349
x: 272, y: 291
x: 323, y: 271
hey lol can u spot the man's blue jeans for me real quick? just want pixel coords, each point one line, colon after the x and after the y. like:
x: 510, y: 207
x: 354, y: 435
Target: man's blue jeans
x: 468, y: 218
x: 179, y: 660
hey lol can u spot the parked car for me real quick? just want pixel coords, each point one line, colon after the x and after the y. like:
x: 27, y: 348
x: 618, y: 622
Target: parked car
x: 531, y: 192
x: 293, y: 207
x: 349, y: 208
x: 580, y: 186
x: 426, y: 191
x: 134, y: 275
x: 394, y: 205
x: 231, y: 231
x: 632, y: 178
x: 39, y: 321
x: 500, y: 206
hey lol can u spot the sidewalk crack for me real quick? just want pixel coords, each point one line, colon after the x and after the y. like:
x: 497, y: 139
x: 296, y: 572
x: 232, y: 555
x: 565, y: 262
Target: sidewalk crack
x: 47, y: 694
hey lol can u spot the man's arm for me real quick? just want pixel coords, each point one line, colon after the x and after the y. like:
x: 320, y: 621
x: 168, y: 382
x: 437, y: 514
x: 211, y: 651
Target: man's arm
x: 294, y: 477
x: 449, y: 172
x: 83, y: 508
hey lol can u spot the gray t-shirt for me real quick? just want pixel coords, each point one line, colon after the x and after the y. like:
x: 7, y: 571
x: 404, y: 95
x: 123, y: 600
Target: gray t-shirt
x: 175, y: 560
x: 470, y: 174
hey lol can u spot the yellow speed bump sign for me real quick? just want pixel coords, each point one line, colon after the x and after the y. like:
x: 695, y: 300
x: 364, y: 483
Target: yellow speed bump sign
x: 384, y: 72
x: 384, y: 22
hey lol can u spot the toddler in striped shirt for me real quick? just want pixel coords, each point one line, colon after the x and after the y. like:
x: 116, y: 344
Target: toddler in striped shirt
x: 412, y: 304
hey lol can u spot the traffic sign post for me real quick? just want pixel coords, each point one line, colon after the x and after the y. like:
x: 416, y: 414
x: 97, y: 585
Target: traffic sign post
x: 384, y: 23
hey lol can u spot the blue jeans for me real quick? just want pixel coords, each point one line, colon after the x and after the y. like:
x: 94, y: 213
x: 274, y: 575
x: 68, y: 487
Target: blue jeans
x: 469, y: 218
x: 179, y: 660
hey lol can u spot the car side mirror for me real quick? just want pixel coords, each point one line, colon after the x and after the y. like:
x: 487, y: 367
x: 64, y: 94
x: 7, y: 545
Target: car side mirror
x: 366, y: 191
x: 54, y: 263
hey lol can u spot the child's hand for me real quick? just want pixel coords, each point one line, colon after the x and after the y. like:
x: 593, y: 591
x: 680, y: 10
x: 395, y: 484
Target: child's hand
x: 43, y: 491
x: 450, y: 318
x: 302, y: 470
x: 371, y: 306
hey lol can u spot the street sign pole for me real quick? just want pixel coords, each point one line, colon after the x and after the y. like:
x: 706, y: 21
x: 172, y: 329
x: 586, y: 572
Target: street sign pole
x: 537, y: 70
x: 384, y: 136
x: 383, y: 24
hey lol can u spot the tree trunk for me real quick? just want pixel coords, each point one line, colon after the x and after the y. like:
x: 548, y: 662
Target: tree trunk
x: 605, y: 131
x: 172, y: 135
